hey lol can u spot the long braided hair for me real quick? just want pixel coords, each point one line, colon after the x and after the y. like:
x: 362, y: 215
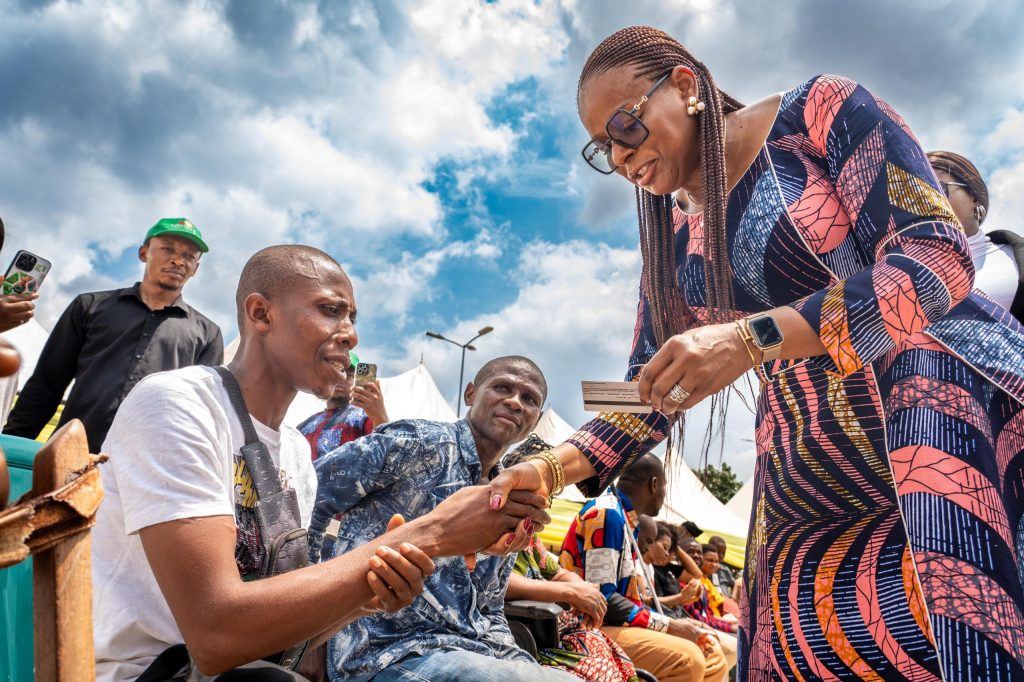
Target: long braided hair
x: 651, y: 53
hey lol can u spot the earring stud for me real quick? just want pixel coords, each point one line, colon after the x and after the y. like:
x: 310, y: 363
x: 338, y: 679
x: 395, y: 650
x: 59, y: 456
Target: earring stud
x: 693, y: 106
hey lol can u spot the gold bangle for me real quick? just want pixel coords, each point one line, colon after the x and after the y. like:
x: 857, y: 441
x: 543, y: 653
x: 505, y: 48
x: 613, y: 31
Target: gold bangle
x: 555, y: 467
x: 558, y: 473
x: 746, y: 341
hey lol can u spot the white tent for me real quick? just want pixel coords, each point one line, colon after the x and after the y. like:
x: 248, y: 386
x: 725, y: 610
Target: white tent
x: 414, y: 395
x: 28, y: 339
x: 231, y: 349
x: 410, y: 395
x: 689, y: 500
x: 742, y: 502
x: 552, y: 428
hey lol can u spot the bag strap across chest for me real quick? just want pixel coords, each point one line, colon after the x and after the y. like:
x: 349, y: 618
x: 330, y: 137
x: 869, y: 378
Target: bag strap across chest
x: 265, y: 475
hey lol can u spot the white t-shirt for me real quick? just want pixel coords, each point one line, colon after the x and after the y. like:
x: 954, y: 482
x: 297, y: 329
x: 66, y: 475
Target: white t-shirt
x: 995, y: 270
x: 172, y: 451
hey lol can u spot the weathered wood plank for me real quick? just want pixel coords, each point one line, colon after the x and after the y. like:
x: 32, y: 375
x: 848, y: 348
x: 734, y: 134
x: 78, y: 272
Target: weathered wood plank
x: 62, y: 575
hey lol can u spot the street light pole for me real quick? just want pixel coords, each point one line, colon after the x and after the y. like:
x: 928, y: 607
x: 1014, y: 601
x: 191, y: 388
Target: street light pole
x: 462, y: 368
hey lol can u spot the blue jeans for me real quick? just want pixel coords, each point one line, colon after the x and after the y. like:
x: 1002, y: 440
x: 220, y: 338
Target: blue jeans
x: 451, y: 665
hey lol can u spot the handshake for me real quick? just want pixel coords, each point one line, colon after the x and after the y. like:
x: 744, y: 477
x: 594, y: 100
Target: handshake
x: 470, y: 521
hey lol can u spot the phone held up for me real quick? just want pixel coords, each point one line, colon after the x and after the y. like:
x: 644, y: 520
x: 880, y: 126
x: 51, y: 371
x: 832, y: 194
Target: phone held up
x: 26, y: 273
x: 366, y: 373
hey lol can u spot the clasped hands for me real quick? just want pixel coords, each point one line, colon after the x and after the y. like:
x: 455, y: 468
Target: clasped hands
x: 467, y: 522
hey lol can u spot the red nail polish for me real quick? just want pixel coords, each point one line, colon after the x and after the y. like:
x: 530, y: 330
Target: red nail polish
x: 495, y: 502
x: 509, y: 540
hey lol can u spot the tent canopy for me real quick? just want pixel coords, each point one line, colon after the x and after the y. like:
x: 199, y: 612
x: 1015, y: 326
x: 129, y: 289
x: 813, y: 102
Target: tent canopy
x: 742, y: 503
x: 552, y: 428
x: 28, y: 339
x: 414, y: 395
x: 410, y: 395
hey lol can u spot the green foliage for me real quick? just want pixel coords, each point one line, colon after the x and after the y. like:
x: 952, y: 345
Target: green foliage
x: 722, y: 482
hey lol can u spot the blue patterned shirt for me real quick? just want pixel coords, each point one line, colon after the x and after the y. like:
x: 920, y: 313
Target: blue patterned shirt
x: 408, y: 467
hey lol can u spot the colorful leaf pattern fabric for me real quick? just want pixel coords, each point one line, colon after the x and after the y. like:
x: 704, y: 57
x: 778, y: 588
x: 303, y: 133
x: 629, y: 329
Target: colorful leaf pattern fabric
x: 888, y: 529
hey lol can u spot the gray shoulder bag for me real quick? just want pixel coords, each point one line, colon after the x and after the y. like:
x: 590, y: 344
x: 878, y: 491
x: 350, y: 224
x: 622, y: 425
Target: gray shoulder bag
x: 277, y: 510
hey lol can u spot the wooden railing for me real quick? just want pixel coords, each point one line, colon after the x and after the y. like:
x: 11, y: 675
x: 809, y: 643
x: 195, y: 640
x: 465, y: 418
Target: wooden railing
x: 51, y: 523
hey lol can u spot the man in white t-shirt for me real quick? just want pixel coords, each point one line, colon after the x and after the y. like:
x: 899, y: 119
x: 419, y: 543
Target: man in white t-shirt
x: 175, y: 546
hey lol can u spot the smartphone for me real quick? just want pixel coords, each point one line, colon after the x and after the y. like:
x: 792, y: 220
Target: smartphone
x: 26, y: 273
x: 366, y: 373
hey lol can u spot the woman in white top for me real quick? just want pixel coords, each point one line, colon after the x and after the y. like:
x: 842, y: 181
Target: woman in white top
x: 998, y: 256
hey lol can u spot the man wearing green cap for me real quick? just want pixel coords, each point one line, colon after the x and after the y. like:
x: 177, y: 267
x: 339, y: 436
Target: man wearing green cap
x: 352, y: 412
x: 107, y: 341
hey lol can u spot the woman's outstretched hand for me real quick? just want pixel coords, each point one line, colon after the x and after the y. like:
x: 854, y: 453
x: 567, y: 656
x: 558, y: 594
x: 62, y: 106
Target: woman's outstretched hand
x: 465, y: 524
x: 701, y: 361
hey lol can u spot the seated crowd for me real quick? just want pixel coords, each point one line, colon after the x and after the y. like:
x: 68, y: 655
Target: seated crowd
x: 231, y: 546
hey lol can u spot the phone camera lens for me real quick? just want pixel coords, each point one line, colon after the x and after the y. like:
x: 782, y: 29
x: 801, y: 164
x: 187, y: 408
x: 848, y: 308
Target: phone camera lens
x: 26, y: 262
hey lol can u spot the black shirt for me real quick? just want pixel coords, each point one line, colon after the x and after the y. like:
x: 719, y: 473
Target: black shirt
x: 107, y: 341
x: 666, y: 580
x: 1016, y: 243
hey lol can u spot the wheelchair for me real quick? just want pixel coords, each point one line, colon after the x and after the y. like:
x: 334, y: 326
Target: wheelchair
x: 534, y: 626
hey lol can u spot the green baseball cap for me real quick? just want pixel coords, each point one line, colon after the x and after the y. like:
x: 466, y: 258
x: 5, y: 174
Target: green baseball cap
x: 353, y: 358
x: 182, y: 227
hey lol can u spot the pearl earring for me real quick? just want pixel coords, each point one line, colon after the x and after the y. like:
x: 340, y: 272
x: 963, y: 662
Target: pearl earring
x: 693, y: 106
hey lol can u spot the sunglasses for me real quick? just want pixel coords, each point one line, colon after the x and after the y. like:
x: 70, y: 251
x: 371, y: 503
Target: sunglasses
x: 624, y: 128
x: 946, y: 185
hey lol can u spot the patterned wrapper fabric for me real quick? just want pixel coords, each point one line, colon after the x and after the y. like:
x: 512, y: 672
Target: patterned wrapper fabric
x: 887, y: 536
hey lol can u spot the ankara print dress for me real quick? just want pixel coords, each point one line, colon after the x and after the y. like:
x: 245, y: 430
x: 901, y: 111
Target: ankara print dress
x: 887, y: 533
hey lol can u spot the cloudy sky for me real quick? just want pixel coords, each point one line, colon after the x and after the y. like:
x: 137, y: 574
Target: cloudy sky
x: 432, y: 148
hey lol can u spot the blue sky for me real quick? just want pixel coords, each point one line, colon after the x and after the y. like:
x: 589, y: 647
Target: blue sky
x: 432, y: 147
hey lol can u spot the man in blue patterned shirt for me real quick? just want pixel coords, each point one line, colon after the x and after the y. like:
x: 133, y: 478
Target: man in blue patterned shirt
x: 455, y: 630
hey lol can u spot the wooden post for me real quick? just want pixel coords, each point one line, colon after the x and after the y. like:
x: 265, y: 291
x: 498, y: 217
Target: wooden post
x: 62, y: 574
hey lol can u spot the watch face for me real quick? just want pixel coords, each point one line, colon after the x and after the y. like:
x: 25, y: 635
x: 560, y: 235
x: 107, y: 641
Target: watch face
x: 766, y: 332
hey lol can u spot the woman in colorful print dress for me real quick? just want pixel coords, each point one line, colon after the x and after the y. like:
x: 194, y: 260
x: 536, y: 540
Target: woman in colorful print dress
x: 887, y: 532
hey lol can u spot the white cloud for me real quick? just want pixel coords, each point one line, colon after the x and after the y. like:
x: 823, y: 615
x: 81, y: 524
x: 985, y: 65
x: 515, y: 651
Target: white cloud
x: 391, y: 290
x: 170, y: 108
x: 493, y: 43
x: 1003, y: 148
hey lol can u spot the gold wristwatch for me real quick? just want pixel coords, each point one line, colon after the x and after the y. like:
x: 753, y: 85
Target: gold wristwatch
x: 765, y: 333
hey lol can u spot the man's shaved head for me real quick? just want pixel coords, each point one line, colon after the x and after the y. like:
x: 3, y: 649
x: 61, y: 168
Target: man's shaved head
x: 492, y: 367
x: 643, y: 470
x: 275, y: 269
x: 647, y: 532
x: 643, y: 482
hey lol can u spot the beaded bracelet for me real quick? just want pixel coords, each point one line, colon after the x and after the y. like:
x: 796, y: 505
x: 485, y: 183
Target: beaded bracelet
x: 557, y: 472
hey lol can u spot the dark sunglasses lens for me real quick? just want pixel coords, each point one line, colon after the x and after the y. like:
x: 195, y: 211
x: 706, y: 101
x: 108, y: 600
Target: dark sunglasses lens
x: 599, y: 156
x: 626, y: 129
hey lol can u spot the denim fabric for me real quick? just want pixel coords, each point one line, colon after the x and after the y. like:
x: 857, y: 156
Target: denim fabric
x: 409, y: 467
x: 466, y: 666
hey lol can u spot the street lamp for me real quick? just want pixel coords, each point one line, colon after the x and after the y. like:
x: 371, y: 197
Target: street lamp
x: 464, y: 346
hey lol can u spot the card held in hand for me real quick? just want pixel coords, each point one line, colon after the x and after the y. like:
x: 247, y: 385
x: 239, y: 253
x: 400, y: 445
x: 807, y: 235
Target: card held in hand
x: 613, y: 396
